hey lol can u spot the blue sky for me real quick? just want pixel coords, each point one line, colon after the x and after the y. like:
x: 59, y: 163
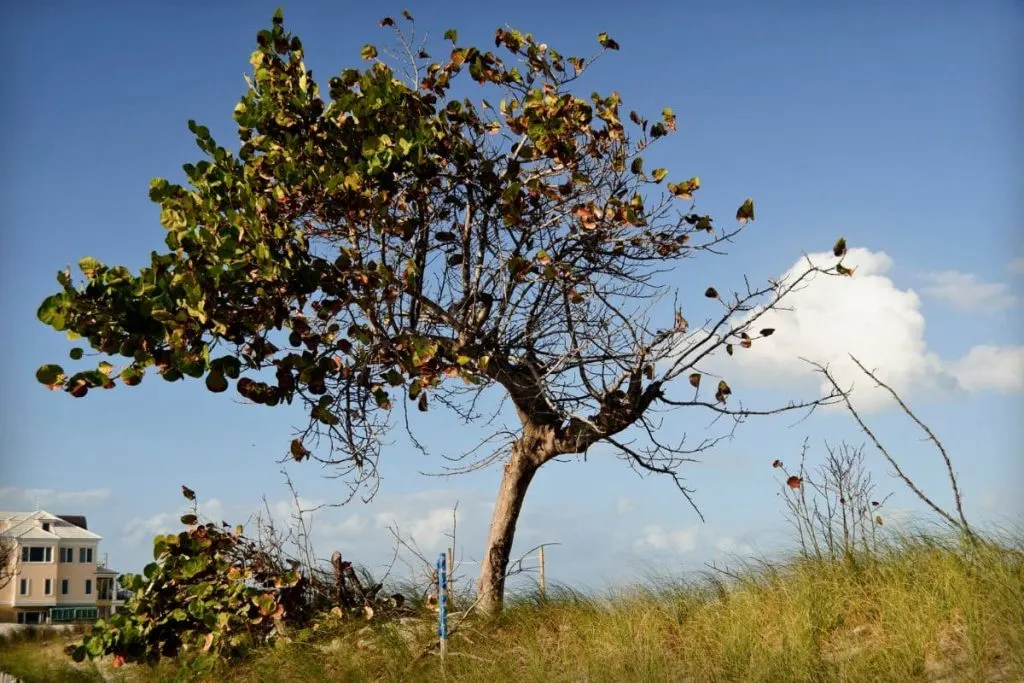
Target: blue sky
x: 896, y: 126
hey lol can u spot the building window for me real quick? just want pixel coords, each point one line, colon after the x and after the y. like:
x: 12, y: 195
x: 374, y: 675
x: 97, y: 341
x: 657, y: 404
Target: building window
x: 64, y: 587
x: 47, y: 586
x: 37, y: 553
x: 26, y: 586
x: 85, y: 555
x: 88, y: 586
x: 46, y: 526
x: 67, y: 555
x: 86, y: 614
x: 59, y: 614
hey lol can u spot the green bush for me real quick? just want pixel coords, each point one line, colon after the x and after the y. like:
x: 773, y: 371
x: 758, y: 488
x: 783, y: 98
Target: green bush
x: 210, y: 590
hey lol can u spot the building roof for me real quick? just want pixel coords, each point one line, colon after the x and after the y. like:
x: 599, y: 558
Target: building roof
x: 77, y: 520
x: 27, y: 526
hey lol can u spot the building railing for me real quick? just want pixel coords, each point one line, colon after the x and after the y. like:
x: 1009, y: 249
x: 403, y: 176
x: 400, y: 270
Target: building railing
x: 60, y: 615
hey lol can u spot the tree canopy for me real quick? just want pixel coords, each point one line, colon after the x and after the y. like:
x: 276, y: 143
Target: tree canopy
x: 394, y: 243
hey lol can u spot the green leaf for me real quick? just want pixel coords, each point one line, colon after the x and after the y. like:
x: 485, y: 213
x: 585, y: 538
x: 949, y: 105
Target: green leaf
x: 745, y: 212
x: 76, y: 353
x: 414, y: 389
x: 325, y: 416
x: 368, y: 52
x: 606, y: 42
x: 52, y: 311
x: 50, y: 375
x: 216, y: 382
x: 89, y: 265
x: 189, y: 519
x: 452, y: 35
x: 158, y: 188
x: 659, y: 174
x: 371, y: 146
x: 194, y: 566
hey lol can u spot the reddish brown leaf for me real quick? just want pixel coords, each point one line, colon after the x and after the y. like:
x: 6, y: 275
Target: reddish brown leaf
x: 695, y: 380
x: 794, y: 482
x: 711, y: 293
x: 776, y: 464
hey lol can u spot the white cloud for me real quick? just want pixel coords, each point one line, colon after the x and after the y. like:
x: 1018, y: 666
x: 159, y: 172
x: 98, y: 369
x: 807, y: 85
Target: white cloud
x: 999, y: 368
x: 658, y: 538
x: 870, y: 317
x: 730, y: 546
x: 624, y: 506
x: 20, y: 498
x: 1017, y: 266
x: 351, y: 526
x: 428, y: 531
x: 963, y: 291
x: 145, y: 528
x: 286, y: 512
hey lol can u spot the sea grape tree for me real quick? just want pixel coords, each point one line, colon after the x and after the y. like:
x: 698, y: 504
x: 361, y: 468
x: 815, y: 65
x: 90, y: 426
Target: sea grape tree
x: 393, y: 243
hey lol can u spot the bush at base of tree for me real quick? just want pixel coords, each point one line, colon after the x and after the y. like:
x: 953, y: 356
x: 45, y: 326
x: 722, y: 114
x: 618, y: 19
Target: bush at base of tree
x: 210, y: 590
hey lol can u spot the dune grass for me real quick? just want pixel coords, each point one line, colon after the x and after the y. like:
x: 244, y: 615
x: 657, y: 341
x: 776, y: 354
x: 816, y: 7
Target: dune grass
x: 920, y: 609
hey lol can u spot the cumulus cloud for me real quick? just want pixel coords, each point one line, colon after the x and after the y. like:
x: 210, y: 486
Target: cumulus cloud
x: 965, y: 292
x: 284, y: 513
x: 142, y: 529
x: 655, y: 537
x: 22, y: 498
x: 427, y: 530
x: 872, y: 318
x: 998, y: 368
x: 352, y: 525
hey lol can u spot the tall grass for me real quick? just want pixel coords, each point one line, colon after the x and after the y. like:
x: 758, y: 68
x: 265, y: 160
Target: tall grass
x: 919, y: 608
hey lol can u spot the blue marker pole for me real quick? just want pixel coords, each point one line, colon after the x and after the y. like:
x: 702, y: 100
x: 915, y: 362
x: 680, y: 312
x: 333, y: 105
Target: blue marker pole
x: 442, y: 601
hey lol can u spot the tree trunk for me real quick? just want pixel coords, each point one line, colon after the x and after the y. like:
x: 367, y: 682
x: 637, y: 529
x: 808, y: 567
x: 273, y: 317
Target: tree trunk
x: 519, y: 471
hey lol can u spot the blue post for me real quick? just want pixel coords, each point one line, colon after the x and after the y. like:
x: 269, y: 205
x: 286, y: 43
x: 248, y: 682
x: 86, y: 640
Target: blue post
x: 442, y: 601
